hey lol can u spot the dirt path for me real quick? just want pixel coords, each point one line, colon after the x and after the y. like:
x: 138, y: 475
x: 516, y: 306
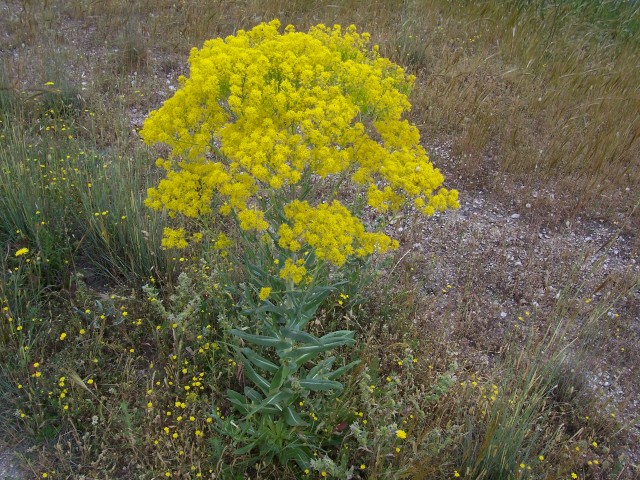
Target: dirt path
x: 9, y: 469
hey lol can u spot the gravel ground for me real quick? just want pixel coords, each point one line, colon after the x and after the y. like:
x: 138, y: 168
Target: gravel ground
x: 9, y: 469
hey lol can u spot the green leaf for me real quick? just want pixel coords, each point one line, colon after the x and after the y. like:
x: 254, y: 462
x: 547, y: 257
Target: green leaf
x: 293, y: 419
x: 320, y: 385
x: 298, y: 354
x: 299, y: 336
x: 267, y: 410
x: 279, y: 378
x: 250, y: 446
x: 261, y: 382
x: 256, y: 271
x: 310, y: 304
x: 266, y: 307
x: 238, y: 401
x: 259, y: 361
x: 253, y: 395
x: 338, y: 334
x: 304, y: 358
x: 297, y: 454
x: 278, y: 400
x: 261, y: 340
x: 323, y: 365
x: 342, y: 370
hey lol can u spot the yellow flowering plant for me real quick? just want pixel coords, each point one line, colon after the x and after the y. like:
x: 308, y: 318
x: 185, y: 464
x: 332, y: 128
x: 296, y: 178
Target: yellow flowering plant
x: 270, y: 126
x: 286, y: 136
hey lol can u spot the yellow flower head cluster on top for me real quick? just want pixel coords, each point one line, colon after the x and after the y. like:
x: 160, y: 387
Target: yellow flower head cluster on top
x: 263, y: 113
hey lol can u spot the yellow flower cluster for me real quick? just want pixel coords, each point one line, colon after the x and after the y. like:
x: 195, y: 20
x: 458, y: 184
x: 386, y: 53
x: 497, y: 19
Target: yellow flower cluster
x: 331, y: 230
x: 175, y: 238
x: 294, y: 271
x: 188, y: 191
x: 172, y: 238
x: 264, y: 115
x: 264, y: 293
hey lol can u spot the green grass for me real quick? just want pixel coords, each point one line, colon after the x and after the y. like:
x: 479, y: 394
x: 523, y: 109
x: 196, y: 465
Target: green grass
x: 81, y: 204
x: 528, y: 96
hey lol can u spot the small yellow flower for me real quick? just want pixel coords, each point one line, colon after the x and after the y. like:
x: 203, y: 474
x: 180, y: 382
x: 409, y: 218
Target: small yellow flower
x: 401, y: 434
x: 456, y: 473
x: 22, y: 251
x: 63, y: 336
x: 363, y: 466
x: 264, y: 293
x: 541, y: 457
x: 90, y: 381
x: 574, y: 475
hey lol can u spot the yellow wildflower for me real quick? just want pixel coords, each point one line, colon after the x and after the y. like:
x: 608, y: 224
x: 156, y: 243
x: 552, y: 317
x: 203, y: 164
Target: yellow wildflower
x: 264, y: 293
x: 264, y: 112
x: 292, y: 272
